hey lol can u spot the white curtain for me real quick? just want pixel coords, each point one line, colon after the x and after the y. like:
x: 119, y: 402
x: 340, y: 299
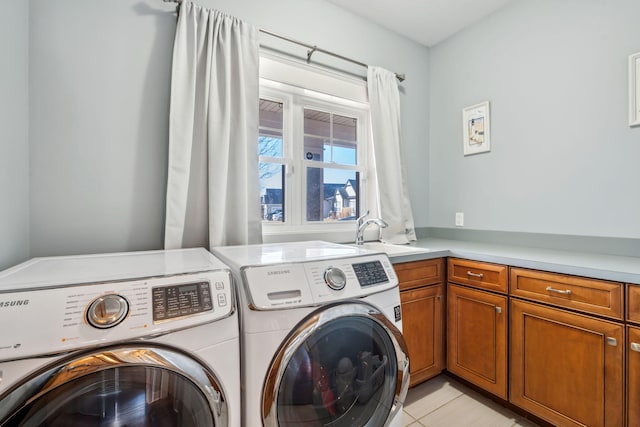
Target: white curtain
x: 394, y: 204
x: 212, y: 187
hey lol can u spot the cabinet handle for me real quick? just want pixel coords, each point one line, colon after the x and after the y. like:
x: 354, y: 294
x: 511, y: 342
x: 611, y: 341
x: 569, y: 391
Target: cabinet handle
x: 498, y: 310
x: 559, y: 291
x: 478, y: 275
x: 635, y: 347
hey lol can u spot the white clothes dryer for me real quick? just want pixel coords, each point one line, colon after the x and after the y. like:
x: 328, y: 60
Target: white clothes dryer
x: 321, y: 339
x: 136, y: 339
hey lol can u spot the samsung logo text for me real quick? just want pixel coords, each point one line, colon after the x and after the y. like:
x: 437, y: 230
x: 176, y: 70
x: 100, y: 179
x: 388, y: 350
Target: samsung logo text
x: 276, y: 272
x: 14, y: 303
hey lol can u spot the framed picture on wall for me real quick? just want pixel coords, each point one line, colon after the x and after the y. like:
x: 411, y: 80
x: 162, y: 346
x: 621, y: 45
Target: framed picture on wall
x: 634, y: 89
x: 476, y: 129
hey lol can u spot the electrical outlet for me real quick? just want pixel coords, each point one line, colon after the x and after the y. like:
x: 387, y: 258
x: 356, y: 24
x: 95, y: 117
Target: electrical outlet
x: 459, y: 219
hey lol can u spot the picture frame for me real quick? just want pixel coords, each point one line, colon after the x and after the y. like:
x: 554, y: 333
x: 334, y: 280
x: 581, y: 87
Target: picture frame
x: 476, y: 129
x: 634, y: 89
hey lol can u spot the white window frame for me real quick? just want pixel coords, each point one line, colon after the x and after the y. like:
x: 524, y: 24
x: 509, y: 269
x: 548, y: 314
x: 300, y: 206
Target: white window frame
x: 295, y: 98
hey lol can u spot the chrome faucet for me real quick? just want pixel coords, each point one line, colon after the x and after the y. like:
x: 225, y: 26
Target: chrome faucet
x: 362, y: 224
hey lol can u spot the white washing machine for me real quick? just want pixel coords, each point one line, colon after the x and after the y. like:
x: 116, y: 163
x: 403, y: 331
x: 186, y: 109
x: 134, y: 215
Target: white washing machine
x: 320, y: 335
x: 135, y: 339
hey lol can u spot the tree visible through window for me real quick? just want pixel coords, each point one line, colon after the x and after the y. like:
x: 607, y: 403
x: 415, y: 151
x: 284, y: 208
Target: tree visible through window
x: 270, y: 170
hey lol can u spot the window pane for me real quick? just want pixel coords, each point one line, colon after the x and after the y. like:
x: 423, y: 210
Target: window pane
x: 270, y: 130
x: 344, y: 128
x: 314, y: 149
x: 269, y: 146
x: 317, y: 123
x: 332, y: 194
x: 344, y: 140
x: 344, y: 154
x: 272, y: 191
x: 340, y: 147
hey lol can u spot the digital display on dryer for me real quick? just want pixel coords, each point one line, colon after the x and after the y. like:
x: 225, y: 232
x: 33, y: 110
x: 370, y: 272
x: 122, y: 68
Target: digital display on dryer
x: 370, y: 273
x: 170, y: 302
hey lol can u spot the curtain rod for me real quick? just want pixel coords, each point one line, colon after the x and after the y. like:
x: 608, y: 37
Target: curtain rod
x: 312, y: 48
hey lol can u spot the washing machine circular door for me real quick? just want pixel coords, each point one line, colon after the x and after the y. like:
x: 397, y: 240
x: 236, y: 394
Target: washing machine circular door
x: 135, y: 386
x: 345, y: 364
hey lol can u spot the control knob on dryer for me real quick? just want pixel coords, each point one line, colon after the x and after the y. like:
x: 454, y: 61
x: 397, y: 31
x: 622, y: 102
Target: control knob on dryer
x: 107, y: 311
x: 335, y: 278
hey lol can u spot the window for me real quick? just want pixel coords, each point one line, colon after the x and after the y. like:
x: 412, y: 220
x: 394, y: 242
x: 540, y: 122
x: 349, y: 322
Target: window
x: 271, y: 170
x: 313, y: 159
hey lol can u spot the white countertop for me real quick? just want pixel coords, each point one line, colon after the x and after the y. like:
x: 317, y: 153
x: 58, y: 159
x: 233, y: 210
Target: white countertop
x: 607, y: 267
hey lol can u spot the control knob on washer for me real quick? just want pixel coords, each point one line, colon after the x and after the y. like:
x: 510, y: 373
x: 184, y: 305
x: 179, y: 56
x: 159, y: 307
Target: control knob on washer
x: 335, y: 278
x: 107, y: 311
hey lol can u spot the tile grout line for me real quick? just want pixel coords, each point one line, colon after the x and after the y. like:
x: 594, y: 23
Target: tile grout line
x: 437, y: 408
x: 410, y: 416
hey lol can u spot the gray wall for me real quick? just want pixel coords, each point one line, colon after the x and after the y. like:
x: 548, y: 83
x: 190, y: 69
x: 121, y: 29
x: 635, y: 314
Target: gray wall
x: 14, y: 142
x: 100, y: 74
x: 99, y: 104
x: 563, y: 158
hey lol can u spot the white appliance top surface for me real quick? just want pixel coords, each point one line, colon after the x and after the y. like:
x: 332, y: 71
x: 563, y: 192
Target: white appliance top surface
x: 289, y: 252
x: 69, y: 270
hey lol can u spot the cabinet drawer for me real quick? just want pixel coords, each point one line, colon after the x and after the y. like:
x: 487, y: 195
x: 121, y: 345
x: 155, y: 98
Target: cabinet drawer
x: 633, y: 303
x: 420, y: 273
x: 579, y: 293
x: 482, y: 275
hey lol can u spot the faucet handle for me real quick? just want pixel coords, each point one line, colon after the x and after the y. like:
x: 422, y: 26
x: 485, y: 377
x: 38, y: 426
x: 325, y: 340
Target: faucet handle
x: 361, y: 218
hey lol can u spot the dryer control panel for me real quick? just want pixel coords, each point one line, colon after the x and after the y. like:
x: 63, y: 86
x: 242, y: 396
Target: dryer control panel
x: 290, y: 285
x: 53, y: 320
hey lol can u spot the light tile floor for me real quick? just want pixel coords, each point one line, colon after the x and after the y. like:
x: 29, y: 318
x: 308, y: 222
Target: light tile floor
x: 442, y: 401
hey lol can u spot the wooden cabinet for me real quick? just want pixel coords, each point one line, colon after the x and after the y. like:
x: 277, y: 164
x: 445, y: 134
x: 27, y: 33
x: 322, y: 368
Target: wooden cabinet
x: 633, y: 356
x: 633, y: 303
x: 421, y: 295
x: 483, y: 275
x: 633, y: 376
x: 566, y: 368
x: 592, y: 296
x: 422, y: 329
x: 477, y: 337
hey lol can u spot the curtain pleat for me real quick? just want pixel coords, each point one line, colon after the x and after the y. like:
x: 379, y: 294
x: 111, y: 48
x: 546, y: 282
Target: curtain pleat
x: 212, y: 187
x: 394, y: 203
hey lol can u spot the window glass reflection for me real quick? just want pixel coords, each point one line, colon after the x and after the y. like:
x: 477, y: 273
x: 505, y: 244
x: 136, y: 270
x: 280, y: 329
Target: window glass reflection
x: 132, y: 396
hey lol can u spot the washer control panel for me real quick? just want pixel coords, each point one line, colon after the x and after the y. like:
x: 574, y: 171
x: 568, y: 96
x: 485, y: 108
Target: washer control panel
x: 370, y: 273
x: 52, y: 320
x: 278, y: 286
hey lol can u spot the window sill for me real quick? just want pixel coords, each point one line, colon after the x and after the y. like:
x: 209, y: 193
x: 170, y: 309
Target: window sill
x: 336, y: 233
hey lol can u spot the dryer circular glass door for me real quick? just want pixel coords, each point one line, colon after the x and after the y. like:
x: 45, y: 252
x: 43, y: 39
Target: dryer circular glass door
x: 345, y: 364
x: 132, y: 386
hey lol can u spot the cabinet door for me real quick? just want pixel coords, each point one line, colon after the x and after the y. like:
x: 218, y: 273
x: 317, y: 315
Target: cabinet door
x: 633, y: 375
x: 477, y: 338
x: 422, y: 330
x: 566, y: 368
